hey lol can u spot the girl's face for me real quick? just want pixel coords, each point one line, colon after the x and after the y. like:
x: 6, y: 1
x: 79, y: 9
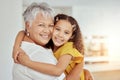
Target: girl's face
x: 62, y: 32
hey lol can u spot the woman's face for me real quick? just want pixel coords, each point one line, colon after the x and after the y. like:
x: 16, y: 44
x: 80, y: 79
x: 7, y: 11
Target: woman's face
x: 41, y: 29
x: 62, y: 32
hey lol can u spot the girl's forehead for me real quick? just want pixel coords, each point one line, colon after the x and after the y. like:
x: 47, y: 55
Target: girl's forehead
x: 63, y: 22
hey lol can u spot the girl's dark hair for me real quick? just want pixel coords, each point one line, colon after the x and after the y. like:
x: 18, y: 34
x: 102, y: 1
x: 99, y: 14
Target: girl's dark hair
x: 50, y: 44
x: 76, y: 38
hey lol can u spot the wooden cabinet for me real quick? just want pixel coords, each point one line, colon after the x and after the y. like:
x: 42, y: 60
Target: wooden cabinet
x: 107, y: 75
x: 105, y: 71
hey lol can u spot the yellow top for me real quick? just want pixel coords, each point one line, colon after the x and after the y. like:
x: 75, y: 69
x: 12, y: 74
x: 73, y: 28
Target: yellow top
x: 77, y: 56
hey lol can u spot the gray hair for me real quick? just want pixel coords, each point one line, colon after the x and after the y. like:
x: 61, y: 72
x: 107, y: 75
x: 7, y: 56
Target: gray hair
x: 32, y: 10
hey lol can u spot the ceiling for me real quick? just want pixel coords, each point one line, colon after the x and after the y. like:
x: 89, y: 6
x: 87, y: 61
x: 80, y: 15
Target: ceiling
x: 75, y: 2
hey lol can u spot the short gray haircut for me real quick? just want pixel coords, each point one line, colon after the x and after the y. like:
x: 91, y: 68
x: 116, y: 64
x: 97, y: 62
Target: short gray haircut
x: 32, y: 10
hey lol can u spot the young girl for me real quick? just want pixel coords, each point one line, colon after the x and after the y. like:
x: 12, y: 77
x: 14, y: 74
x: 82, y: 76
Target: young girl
x: 68, y: 49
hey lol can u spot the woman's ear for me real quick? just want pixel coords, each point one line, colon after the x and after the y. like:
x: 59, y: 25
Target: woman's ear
x: 27, y: 27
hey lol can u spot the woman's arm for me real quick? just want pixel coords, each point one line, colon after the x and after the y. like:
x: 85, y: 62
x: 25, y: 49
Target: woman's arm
x: 16, y: 47
x: 50, y: 69
x: 75, y: 72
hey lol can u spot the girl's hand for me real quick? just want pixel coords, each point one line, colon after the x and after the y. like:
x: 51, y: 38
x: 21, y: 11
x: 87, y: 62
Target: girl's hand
x: 23, y: 58
x: 71, y: 77
x: 64, y: 79
x: 15, y: 53
x: 74, y: 74
x: 88, y: 75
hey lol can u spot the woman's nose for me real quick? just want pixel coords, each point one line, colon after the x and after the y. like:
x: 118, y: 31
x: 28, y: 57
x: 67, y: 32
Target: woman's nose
x: 47, y: 29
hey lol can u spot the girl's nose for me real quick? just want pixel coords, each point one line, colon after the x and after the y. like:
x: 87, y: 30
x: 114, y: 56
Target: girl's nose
x: 60, y: 34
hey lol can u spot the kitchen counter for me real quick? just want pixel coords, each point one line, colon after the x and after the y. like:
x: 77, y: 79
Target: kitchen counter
x: 102, y: 68
x: 97, y: 64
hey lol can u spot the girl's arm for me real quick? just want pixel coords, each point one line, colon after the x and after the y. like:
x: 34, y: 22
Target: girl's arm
x: 88, y: 75
x: 46, y: 68
x: 75, y: 72
x: 16, y: 47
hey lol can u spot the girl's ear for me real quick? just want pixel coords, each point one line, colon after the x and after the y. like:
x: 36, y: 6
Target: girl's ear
x: 71, y: 37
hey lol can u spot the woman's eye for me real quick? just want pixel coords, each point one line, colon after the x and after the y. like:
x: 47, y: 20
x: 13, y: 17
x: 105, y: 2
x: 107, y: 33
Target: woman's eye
x: 51, y: 26
x: 41, y: 25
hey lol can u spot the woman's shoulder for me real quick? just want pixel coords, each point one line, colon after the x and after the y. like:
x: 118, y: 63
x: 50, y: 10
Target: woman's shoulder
x: 31, y: 45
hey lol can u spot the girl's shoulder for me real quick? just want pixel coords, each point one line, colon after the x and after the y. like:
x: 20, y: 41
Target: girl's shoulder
x: 68, y: 44
x: 67, y: 48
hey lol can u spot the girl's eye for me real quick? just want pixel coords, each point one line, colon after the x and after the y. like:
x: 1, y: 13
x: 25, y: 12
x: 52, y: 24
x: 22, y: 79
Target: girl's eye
x: 57, y: 29
x: 66, y: 32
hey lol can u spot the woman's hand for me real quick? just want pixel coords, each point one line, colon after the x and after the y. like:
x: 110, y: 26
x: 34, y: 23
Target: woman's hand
x: 23, y: 58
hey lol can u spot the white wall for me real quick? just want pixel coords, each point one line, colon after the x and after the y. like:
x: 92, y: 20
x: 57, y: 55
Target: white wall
x: 10, y: 24
x: 101, y: 19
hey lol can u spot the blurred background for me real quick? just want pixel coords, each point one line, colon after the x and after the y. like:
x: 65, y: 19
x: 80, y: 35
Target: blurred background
x: 99, y: 22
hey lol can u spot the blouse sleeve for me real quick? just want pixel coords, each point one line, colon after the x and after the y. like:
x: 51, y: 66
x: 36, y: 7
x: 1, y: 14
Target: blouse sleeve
x: 68, y: 49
